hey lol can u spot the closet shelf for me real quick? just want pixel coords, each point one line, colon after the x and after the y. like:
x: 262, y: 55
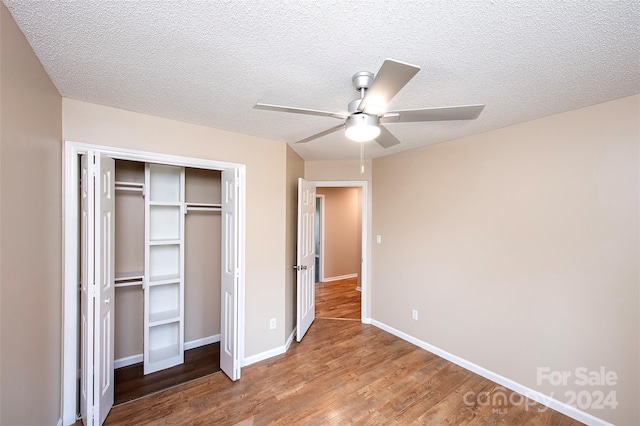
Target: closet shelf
x: 165, y: 203
x: 164, y: 242
x: 164, y: 317
x: 163, y: 279
x: 166, y: 352
x: 204, y: 207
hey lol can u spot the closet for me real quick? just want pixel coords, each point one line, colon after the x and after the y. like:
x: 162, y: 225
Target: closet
x: 167, y: 262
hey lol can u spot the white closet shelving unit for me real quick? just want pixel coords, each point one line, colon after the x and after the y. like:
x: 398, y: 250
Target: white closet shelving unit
x: 164, y: 267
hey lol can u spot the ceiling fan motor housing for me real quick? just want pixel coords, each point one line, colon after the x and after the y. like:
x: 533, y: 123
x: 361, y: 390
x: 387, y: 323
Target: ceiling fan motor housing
x: 362, y: 80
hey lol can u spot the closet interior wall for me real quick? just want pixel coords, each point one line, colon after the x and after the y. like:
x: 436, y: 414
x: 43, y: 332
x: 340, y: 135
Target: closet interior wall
x: 202, y: 259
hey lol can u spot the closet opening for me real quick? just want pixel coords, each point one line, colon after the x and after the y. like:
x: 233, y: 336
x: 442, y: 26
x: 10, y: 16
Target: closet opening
x: 201, y: 238
x: 147, y: 265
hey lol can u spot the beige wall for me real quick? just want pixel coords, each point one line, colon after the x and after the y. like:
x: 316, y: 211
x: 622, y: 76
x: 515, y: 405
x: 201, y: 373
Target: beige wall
x: 295, y: 170
x: 342, y: 232
x: 519, y: 248
x: 265, y: 198
x: 31, y: 212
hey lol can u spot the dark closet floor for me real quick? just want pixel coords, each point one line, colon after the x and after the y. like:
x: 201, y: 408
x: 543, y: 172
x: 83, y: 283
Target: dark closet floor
x: 131, y: 383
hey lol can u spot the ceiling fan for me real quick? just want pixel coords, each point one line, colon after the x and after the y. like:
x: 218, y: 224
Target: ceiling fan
x: 366, y: 114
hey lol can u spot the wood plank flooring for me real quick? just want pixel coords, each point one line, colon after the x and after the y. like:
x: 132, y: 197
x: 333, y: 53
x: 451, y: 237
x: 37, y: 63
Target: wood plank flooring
x: 131, y: 382
x: 343, y: 372
x: 338, y: 299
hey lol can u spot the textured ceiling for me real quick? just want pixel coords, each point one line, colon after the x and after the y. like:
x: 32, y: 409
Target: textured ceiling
x: 209, y: 62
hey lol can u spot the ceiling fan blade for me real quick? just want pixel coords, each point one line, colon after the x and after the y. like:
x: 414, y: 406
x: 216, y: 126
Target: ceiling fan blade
x: 386, y: 139
x: 294, y: 110
x: 392, y: 76
x: 323, y: 133
x: 466, y: 112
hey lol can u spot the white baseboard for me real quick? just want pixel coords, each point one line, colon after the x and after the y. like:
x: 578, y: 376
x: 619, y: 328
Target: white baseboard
x: 340, y: 277
x: 59, y: 422
x: 271, y: 352
x: 264, y: 355
x: 539, y: 397
x: 201, y: 342
x: 290, y: 339
x: 128, y: 360
x: 138, y: 358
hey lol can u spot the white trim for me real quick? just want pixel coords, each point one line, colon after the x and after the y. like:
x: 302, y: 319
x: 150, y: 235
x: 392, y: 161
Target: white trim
x: 364, y: 279
x: 340, y: 277
x: 201, y: 342
x: 70, y: 240
x: 59, y: 422
x: 138, y: 358
x: 128, y: 360
x: 321, y: 254
x: 264, y: 355
x: 290, y: 339
x: 537, y: 396
x: 271, y: 352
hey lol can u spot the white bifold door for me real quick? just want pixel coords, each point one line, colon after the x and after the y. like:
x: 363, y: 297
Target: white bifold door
x: 97, y: 287
x: 229, y: 353
x: 164, y: 277
x: 306, y: 257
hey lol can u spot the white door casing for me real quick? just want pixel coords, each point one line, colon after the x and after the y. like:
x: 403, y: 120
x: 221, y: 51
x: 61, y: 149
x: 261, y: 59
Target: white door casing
x: 74, y: 352
x: 305, y: 257
x: 97, y: 287
x: 86, y: 284
x: 229, y: 354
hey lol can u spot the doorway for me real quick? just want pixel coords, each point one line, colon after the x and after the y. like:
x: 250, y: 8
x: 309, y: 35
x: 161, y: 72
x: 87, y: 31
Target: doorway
x: 232, y: 315
x: 363, y: 270
x: 339, y: 230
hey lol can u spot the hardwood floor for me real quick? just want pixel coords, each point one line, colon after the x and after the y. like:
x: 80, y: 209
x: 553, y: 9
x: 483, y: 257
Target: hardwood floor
x: 343, y: 372
x: 338, y: 299
x: 131, y: 382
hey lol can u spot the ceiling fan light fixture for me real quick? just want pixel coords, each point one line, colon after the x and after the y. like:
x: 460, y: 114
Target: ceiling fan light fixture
x: 362, y: 127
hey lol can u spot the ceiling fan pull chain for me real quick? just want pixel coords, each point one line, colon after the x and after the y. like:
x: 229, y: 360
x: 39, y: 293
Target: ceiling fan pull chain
x: 361, y: 159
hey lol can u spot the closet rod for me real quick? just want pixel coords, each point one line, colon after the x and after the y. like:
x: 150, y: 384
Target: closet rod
x: 129, y: 284
x: 129, y: 186
x: 204, y: 209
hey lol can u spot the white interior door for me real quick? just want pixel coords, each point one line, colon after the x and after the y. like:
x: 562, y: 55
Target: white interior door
x: 306, y: 257
x: 97, y: 287
x: 229, y: 356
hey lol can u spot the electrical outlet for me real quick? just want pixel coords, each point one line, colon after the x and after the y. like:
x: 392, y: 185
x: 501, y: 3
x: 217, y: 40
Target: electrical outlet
x: 272, y: 324
x: 379, y: 239
x: 414, y: 314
